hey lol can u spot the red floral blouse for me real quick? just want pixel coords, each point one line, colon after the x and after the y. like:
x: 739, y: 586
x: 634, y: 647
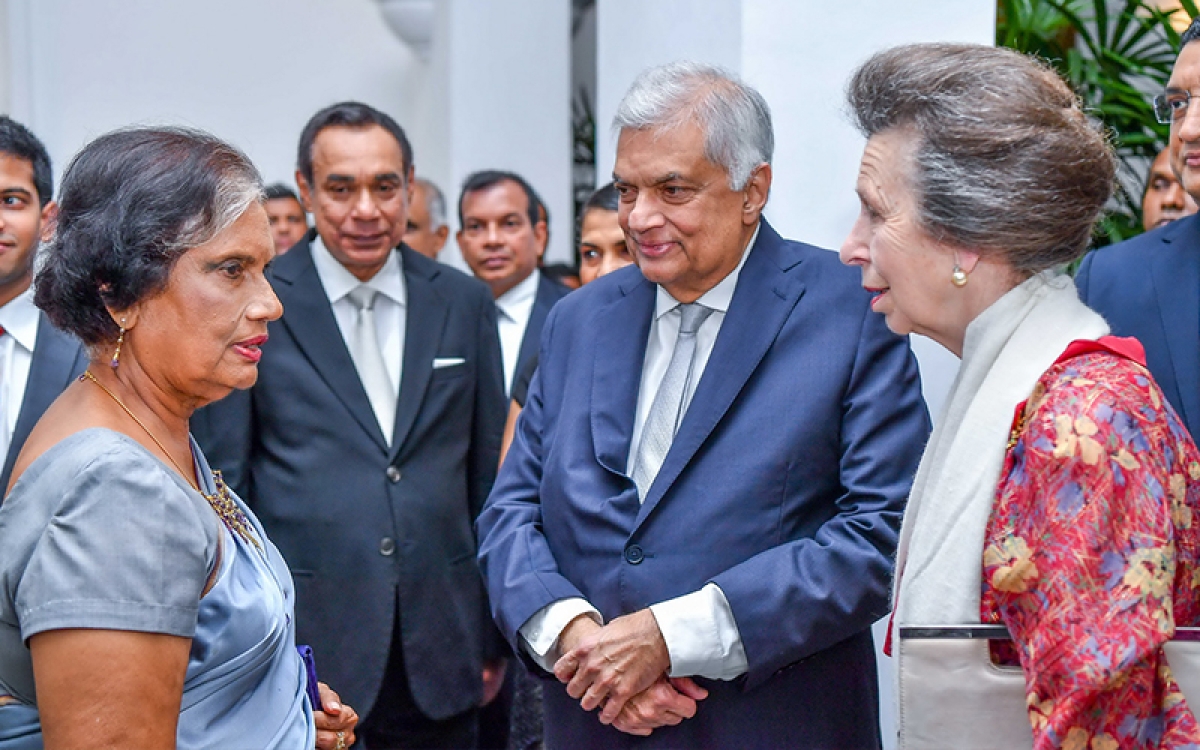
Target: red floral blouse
x: 1090, y: 556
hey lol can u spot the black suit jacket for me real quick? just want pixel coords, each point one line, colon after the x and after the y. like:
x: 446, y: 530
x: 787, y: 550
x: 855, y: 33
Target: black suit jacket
x: 372, y: 533
x: 1149, y: 287
x: 58, y: 358
x: 549, y: 291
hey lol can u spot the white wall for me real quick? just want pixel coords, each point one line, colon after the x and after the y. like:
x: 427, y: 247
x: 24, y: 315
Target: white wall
x: 508, y: 88
x: 5, y: 58
x: 250, y: 72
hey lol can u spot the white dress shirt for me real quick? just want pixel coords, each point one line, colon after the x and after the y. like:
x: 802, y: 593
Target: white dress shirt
x: 514, y: 308
x: 391, y: 304
x: 699, y: 629
x: 20, y: 320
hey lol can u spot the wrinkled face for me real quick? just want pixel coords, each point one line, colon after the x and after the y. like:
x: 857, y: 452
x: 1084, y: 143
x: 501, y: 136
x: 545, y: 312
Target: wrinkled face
x: 602, y: 248
x: 358, y: 196
x: 497, y: 241
x: 201, y: 337
x: 1184, y: 144
x: 23, y: 224
x: 420, y: 234
x: 1164, y: 200
x: 908, y: 272
x: 685, y: 226
x: 288, y: 222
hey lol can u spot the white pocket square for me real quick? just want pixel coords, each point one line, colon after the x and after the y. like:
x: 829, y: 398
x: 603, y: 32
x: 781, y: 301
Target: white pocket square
x: 440, y: 362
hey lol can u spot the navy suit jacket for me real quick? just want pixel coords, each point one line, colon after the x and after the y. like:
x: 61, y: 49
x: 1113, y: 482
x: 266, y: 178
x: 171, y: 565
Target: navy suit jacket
x: 1149, y: 287
x: 58, y: 358
x: 549, y: 291
x: 372, y: 532
x: 785, y: 486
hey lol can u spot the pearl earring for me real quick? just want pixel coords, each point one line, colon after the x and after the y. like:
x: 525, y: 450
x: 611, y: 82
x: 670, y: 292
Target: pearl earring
x: 959, y: 277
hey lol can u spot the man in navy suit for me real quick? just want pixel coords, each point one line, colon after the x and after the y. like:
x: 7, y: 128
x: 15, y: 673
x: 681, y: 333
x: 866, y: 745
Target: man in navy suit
x: 37, y: 361
x: 502, y: 239
x: 1149, y: 287
x: 695, y: 524
x: 370, y: 441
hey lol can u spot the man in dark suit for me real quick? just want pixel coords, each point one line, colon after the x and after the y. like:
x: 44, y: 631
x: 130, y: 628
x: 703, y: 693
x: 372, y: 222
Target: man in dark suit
x: 695, y: 523
x: 502, y: 239
x: 37, y: 361
x: 371, y: 440
x: 1149, y: 287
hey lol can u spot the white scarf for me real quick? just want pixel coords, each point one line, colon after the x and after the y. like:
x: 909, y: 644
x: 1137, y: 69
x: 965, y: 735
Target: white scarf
x: 939, y: 563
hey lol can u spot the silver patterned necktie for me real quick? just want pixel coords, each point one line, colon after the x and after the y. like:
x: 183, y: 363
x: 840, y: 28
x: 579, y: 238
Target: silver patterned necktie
x: 368, y: 359
x: 669, y: 405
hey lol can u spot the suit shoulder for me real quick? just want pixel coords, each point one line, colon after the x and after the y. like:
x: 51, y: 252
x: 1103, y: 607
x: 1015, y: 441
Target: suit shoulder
x: 551, y: 289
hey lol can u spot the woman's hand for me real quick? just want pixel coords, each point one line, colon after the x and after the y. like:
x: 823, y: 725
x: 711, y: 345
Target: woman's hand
x: 335, y: 722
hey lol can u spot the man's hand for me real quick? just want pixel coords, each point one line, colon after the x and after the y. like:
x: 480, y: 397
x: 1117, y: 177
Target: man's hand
x: 493, y: 680
x: 612, y: 664
x: 665, y: 703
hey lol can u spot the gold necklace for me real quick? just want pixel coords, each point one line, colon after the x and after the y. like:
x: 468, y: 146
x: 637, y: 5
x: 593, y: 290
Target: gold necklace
x: 221, y: 501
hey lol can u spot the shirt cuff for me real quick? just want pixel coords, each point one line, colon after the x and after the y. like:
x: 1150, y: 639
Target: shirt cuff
x: 701, y: 635
x: 541, y: 631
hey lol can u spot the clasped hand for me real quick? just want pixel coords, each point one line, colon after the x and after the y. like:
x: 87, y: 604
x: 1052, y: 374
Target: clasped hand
x: 622, y: 668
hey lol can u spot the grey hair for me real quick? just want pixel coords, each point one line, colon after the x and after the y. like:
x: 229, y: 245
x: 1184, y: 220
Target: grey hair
x: 435, y: 203
x: 734, y: 117
x: 1006, y: 162
x: 132, y: 203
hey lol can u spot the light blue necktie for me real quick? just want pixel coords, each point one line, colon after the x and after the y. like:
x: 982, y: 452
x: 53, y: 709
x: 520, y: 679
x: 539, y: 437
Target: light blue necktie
x: 669, y: 406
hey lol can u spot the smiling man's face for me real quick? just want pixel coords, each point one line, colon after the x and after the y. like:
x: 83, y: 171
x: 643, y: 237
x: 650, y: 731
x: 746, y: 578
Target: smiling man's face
x: 358, y: 196
x: 23, y: 224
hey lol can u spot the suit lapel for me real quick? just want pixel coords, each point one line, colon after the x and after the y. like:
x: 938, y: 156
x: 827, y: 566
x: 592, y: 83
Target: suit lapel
x: 545, y: 299
x: 619, y: 356
x: 309, y: 319
x: 57, y: 359
x: 1176, y: 270
x: 425, y: 322
x: 765, y: 295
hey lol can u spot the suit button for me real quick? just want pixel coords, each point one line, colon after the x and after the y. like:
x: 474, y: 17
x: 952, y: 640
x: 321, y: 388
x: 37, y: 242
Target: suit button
x: 387, y: 546
x: 393, y: 474
x: 633, y: 555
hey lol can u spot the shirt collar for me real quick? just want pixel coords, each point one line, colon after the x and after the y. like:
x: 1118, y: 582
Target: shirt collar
x: 522, y: 294
x: 20, y: 319
x: 717, y: 298
x: 338, y: 282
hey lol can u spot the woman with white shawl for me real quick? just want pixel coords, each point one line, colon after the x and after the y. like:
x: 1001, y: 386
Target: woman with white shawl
x: 1059, y: 495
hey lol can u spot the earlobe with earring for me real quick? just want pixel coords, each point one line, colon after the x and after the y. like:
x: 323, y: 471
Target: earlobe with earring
x: 116, y: 358
x: 959, y: 277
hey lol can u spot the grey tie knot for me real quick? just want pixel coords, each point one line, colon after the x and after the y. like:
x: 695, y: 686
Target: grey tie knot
x: 363, y: 297
x: 694, y: 314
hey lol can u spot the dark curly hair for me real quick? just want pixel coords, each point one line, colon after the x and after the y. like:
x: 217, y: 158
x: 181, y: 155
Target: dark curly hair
x: 132, y: 202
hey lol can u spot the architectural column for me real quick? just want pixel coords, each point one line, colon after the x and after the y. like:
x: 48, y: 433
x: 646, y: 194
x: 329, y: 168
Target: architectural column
x: 503, y: 72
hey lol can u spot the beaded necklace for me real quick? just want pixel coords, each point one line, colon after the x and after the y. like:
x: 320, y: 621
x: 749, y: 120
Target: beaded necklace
x: 221, y: 501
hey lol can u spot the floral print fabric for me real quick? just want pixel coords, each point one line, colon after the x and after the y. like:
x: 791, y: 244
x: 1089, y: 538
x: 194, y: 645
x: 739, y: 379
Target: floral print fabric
x: 1090, y: 556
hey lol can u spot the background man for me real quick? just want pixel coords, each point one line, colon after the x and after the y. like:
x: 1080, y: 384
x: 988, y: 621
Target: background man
x: 37, y: 361
x: 740, y: 545
x: 427, y: 228
x: 289, y: 223
x: 502, y: 240
x: 1149, y: 286
x: 1165, y: 200
x: 372, y: 440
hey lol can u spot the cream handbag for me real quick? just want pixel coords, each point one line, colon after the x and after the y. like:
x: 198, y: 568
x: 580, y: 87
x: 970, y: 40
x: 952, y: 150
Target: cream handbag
x: 953, y: 696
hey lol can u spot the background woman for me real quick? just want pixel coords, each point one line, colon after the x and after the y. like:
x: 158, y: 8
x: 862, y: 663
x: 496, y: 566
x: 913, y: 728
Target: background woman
x: 1072, y: 524
x: 156, y: 612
